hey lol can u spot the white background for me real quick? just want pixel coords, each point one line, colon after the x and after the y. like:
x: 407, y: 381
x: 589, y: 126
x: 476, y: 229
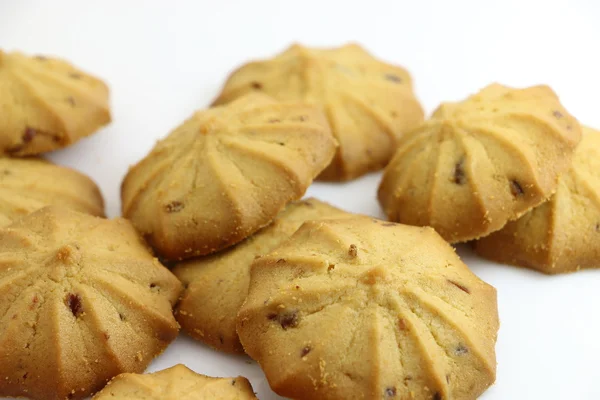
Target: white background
x: 163, y: 60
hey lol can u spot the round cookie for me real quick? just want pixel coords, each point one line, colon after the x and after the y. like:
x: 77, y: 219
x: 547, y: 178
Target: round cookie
x: 47, y: 104
x: 81, y: 300
x: 362, y: 308
x: 369, y: 104
x: 477, y: 164
x: 225, y: 173
x: 563, y: 234
x: 28, y: 184
x: 216, y: 285
x: 176, y: 383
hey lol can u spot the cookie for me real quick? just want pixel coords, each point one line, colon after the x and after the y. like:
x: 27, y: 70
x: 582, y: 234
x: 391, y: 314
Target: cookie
x: 369, y: 104
x: 563, y: 234
x: 47, y: 104
x: 477, y: 164
x: 82, y: 300
x: 225, y: 173
x: 216, y: 285
x: 368, y: 309
x: 28, y: 184
x: 176, y: 383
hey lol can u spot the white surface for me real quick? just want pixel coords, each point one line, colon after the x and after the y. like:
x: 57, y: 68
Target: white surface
x: 163, y: 61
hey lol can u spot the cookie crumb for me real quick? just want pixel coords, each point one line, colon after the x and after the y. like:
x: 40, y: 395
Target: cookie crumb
x: 174, y: 206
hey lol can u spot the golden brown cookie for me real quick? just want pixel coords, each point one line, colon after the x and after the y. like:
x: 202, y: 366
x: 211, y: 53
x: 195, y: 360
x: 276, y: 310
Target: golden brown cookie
x: 563, y: 234
x: 82, y: 300
x: 362, y: 308
x: 176, y: 383
x: 225, y: 173
x: 477, y: 164
x: 28, y: 184
x: 369, y: 104
x: 47, y: 104
x: 216, y: 285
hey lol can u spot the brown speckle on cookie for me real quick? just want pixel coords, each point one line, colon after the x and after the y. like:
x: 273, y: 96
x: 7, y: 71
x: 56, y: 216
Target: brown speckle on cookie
x: 390, y: 392
x: 75, y: 75
x: 461, y: 349
x: 458, y: 285
x: 305, y: 350
x: 73, y: 301
x: 598, y: 227
x: 41, y: 58
x: 221, y: 339
x: 274, y: 121
x: 437, y: 396
x: 459, y: 177
x: 402, y: 324
x: 71, y: 101
x: 557, y: 114
x: 256, y: 85
x: 233, y: 382
x: 353, y: 251
x: 121, y: 317
x: 174, y: 206
x: 515, y: 188
x: 28, y: 135
x: 388, y: 224
x: 393, y: 78
x: 287, y: 319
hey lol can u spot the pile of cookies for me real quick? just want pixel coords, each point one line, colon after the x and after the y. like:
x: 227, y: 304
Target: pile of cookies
x: 332, y: 305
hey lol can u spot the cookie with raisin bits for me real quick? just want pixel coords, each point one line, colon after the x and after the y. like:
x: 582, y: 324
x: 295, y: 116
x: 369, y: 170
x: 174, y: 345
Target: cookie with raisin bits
x: 477, y: 164
x: 225, y: 173
x: 363, y: 308
x: 48, y: 104
x: 216, y: 285
x: 28, y: 184
x: 81, y: 300
x: 563, y: 234
x: 176, y: 383
x: 369, y: 103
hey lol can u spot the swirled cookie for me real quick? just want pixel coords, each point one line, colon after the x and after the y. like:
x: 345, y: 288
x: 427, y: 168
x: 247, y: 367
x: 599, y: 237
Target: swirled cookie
x: 369, y: 104
x: 176, y: 383
x: 563, y: 234
x: 225, y: 173
x: 477, y: 164
x: 216, y: 285
x: 47, y: 104
x: 28, y: 184
x: 362, y: 308
x: 81, y: 300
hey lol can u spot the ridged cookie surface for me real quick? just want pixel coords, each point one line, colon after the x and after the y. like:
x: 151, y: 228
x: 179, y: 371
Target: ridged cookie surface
x: 563, y: 234
x: 28, y: 184
x: 176, y: 383
x: 477, y: 164
x: 82, y: 300
x: 369, y: 104
x: 367, y: 309
x: 225, y: 173
x: 217, y: 285
x: 47, y: 104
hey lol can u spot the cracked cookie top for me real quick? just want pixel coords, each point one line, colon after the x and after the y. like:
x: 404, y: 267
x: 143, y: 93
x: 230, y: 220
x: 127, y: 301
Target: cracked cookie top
x: 29, y: 184
x: 225, y: 173
x: 477, y: 164
x: 176, y: 383
x: 47, y: 104
x: 81, y: 300
x: 563, y: 234
x: 369, y: 104
x: 363, y: 308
